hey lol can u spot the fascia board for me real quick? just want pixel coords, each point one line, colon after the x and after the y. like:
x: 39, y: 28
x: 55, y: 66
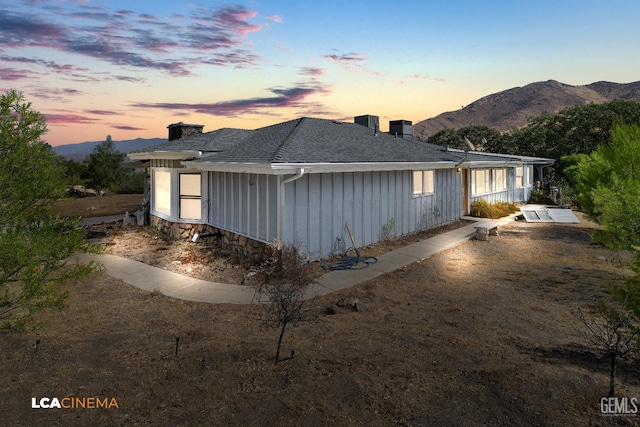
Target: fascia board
x: 287, y: 168
x: 165, y: 155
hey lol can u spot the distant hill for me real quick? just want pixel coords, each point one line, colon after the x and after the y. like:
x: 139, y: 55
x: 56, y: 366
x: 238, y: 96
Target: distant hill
x: 80, y: 151
x: 512, y: 108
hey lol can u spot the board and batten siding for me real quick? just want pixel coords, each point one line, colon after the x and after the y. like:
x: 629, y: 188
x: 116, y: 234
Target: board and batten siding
x: 316, y: 207
x: 244, y: 203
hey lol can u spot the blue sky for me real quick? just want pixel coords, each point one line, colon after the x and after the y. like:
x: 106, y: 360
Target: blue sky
x: 128, y: 69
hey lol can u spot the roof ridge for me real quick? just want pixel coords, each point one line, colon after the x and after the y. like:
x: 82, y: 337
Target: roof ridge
x: 277, y: 155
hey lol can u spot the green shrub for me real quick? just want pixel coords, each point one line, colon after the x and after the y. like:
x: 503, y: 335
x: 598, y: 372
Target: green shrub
x: 539, y: 198
x: 483, y: 209
x: 131, y: 184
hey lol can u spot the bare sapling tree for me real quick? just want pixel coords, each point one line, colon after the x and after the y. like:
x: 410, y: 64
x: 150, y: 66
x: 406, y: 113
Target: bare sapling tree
x: 283, y: 289
x: 614, y: 332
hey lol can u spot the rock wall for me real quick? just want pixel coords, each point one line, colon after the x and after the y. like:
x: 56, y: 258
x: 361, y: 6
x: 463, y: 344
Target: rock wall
x: 227, y: 240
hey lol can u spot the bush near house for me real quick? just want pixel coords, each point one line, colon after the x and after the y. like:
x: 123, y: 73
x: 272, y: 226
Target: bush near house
x: 484, y: 209
x: 539, y: 198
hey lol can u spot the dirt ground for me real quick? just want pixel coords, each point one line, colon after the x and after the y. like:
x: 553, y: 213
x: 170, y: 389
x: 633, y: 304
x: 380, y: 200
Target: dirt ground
x: 91, y: 207
x: 481, y: 334
x: 202, y: 260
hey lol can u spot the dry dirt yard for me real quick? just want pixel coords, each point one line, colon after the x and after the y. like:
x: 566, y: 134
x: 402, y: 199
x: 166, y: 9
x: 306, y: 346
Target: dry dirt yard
x: 89, y: 207
x: 481, y: 334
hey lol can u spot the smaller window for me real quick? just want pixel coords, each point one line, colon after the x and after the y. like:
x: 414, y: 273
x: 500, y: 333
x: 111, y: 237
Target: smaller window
x: 520, y: 177
x: 417, y: 182
x: 480, y: 183
x: 422, y: 182
x: 190, y: 207
x: 499, y: 179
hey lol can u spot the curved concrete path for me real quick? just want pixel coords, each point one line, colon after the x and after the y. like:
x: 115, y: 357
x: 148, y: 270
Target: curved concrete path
x: 176, y: 285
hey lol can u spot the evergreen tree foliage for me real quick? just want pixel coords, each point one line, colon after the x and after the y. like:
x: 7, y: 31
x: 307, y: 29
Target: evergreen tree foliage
x: 608, y: 185
x: 35, y: 244
x: 104, y: 167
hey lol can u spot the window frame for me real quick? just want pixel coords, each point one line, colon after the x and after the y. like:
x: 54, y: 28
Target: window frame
x: 520, y: 176
x: 499, y: 177
x: 486, y: 181
x: 162, y: 192
x: 426, y: 180
x: 188, y: 198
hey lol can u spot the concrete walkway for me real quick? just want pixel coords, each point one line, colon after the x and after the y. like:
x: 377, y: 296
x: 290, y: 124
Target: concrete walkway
x: 176, y: 285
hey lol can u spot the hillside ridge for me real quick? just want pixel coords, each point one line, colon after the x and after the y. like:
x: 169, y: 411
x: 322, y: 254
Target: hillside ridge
x: 81, y: 150
x: 513, y: 107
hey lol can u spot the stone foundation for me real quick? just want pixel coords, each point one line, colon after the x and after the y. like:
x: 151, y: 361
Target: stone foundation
x: 232, y: 242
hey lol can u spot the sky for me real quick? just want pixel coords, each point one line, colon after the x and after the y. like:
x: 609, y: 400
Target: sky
x: 130, y: 68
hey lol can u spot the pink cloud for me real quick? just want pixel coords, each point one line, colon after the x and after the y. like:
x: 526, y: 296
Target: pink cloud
x: 425, y: 77
x: 102, y: 112
x: 352, y: 62
x: 283, y: 98
x: 125, y: 127
x: 346, y: 58
x: 234, y: 19
x: 124, y: 38
x: 274, y: 18
x: 311, y: 71
x: 12, y: 74
x: 67, y: 119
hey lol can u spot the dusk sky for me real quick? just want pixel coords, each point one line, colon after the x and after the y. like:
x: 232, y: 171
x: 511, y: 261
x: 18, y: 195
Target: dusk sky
x: 130, y: 68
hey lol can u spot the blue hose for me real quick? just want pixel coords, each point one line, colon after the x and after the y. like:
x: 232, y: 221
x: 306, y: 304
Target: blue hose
x: 346, y: 262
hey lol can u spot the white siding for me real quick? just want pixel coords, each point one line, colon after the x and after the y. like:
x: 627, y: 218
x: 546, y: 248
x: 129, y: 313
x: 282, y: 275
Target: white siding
x: 244, y: 203
x: 318, y: 205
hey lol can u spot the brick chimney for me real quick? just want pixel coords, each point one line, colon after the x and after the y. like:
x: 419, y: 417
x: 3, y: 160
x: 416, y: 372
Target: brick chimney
x: 182, y: 130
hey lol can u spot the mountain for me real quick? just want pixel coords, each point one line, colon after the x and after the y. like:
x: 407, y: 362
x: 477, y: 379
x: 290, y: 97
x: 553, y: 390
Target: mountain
x: 512, y: 108
x: 81, y: 150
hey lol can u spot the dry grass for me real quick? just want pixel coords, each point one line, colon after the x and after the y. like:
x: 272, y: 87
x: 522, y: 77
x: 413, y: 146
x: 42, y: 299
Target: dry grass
x: 90, y: 207
x: 483, y: 209
x: 478, y: 335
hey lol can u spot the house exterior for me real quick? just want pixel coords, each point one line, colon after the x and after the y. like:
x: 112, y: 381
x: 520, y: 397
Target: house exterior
x: 300, y: 181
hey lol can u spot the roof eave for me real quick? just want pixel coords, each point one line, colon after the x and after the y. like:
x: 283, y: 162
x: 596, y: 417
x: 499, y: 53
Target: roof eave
x: 512, y: 157
x: 287, y: 168
x: 165, y: 155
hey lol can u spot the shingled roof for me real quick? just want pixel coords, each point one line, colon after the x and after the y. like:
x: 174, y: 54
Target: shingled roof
x: 214, y: 141
x: 314, y: 141
x: 309, y: 140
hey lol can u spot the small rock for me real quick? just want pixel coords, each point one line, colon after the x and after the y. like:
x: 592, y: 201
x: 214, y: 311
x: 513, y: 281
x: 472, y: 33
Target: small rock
x: 342, y: 303
x: 331, y: 310
x: 360, y: 306
x: 176, y: 262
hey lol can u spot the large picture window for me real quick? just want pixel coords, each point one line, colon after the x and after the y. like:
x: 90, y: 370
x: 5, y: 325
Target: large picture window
x: 422, y: 182
x: 162, y: 192
x: 190, y: 196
